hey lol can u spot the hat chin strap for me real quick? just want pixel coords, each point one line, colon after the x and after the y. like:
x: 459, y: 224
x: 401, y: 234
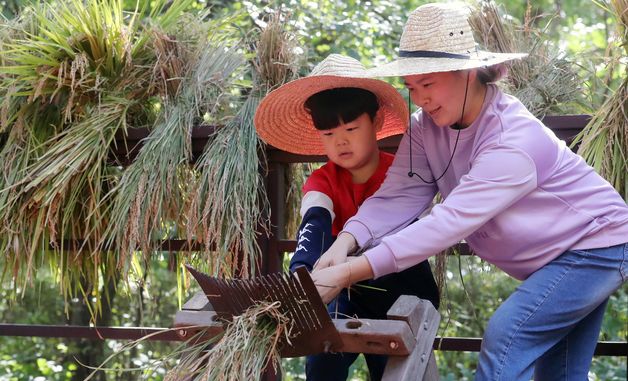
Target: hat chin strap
x: 464, y: 103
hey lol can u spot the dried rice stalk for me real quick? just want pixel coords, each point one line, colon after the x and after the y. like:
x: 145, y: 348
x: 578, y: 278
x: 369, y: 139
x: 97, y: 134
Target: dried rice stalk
x: 544, y: 82
x: 74, y: 74
x: 228, y: 207
x: 248, y: 346
x: 152, y: 190
x: 277, y: 59
x: 604, y: 141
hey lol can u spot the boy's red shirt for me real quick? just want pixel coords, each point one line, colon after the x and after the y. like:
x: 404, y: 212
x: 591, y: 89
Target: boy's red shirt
x: 336, y: 183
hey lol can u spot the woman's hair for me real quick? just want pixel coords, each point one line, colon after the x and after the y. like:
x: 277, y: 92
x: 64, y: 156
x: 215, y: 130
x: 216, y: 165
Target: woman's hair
x: 330, y: 108
x: 491, y: 73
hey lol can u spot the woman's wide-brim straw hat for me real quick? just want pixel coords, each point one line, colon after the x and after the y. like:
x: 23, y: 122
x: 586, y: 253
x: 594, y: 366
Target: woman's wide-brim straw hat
x: 438, y: 38
x: 282, y: 120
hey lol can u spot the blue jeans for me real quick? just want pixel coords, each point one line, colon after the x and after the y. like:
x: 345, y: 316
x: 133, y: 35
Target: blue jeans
x: 551, y: 323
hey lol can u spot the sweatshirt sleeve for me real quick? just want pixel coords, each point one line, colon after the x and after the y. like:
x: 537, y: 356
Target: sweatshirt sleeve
x: 314, y: 236
x: 499, y: 177
x: 400, y: 199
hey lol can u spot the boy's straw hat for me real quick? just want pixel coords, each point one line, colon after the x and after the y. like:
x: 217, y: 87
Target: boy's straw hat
x: 282, y: 121
x: 438, y: 38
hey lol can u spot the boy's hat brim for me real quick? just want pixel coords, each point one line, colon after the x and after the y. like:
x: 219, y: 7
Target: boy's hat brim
x: 282, y: 120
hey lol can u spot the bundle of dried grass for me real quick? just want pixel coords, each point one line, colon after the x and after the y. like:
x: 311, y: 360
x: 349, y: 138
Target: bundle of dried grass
x: 76, y: 75
x: 604, y: 141
x: 544, y: 81
x: 228, y: 205
x: 152, y: 190
x: 73, y: 76
x: 248, y: 346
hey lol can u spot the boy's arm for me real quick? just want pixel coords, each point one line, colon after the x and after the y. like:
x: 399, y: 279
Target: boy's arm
x: 314, y: 236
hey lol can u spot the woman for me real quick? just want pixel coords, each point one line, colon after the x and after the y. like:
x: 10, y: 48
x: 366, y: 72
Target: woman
x: 520, y: 198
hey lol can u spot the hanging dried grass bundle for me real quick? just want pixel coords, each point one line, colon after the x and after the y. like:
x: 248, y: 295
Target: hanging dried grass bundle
x: 228, y: 205
x: 604, y: 141
x: 152, y: 190
x: 65, y: 93
x: 248, y: 346
x: 544, y: 82
x: 76, y: 76
x: 277, y: 59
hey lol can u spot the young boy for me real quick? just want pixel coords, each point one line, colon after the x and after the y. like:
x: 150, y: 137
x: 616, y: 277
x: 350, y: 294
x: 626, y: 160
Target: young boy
x: 335, y: 112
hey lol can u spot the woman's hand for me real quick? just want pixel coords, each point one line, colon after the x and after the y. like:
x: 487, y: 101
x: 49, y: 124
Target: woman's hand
x: 337, y: 252
x: 331, y: 280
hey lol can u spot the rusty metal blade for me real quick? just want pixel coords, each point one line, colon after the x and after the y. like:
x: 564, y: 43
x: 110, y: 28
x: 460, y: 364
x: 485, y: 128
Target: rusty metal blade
x: 313, y: 330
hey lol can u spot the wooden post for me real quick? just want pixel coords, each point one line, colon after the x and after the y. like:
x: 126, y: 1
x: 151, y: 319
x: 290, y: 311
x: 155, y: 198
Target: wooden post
x: 423, y: 320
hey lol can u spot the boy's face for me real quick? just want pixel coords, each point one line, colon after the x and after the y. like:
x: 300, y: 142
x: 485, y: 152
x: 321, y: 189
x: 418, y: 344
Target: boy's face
x: 351, y: 145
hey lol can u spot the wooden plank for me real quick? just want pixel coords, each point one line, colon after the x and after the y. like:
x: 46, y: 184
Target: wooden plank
x: 89, y: 333
x: 431, y: 372
x: 407, y: 308
x: 189, y: 323
x: 198, y: 302
x: 413, y: 367
x: 382, y: 337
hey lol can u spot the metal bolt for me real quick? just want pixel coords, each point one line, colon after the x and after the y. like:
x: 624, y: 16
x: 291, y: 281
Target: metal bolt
x: 394, y: 345
x: 182, y: 333
x: 425, y: 326
x: 423, y: 357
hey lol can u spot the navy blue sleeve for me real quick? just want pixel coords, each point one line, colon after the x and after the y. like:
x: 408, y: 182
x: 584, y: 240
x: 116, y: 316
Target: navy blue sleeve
x: 313, y: 238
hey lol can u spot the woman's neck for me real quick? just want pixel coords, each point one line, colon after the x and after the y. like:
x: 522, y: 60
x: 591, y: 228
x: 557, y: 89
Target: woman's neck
x: 473, y: 106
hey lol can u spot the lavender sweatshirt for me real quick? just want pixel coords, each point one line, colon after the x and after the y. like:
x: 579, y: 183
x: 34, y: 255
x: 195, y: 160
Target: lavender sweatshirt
x: 514, y: 192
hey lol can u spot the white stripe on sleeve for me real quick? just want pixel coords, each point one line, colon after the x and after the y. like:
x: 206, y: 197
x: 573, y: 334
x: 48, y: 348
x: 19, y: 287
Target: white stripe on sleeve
x: 314, y: 198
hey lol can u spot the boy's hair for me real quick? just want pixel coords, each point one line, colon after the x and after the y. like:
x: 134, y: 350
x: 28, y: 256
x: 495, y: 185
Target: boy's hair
x: 330, y: 108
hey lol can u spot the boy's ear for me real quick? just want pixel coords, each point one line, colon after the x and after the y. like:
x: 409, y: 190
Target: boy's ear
x: 378, y: 121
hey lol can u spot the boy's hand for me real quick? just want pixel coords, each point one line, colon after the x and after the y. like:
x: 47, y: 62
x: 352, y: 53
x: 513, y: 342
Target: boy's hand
x: 337, y: 252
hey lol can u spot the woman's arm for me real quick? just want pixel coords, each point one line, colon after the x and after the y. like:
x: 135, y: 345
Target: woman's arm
x: 499, y: 177
x: 401, y: 199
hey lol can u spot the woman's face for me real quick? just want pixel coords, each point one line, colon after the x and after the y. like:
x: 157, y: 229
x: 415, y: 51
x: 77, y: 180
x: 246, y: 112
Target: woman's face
x: 440, y: 95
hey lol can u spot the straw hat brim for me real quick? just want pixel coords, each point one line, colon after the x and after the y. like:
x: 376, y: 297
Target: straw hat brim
x: 283, y: 122
x: 425, y: 65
